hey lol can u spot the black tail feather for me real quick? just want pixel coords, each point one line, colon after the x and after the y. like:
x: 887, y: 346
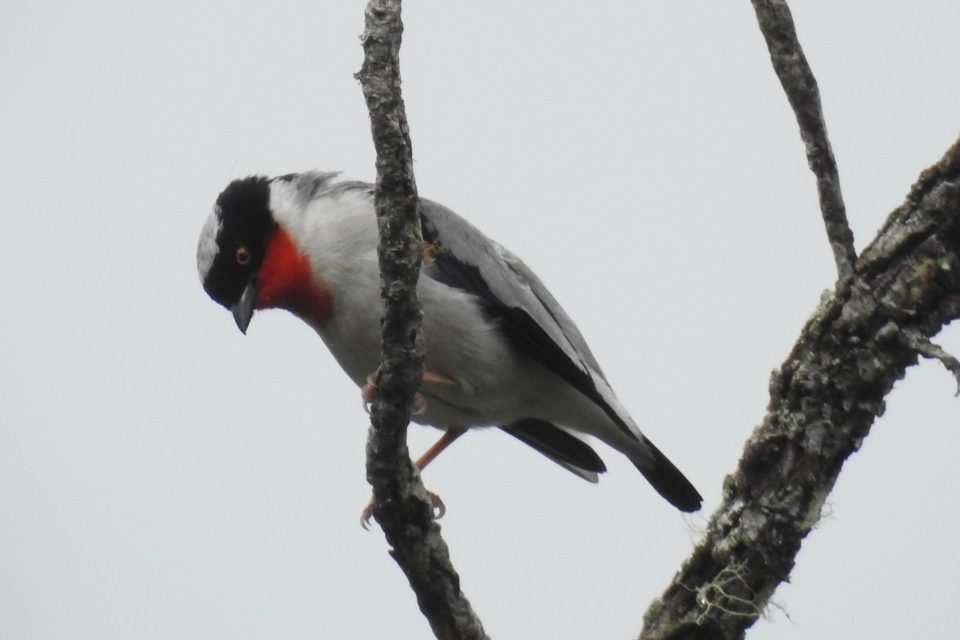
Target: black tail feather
x: 669, y: 482
x: 568, y: 451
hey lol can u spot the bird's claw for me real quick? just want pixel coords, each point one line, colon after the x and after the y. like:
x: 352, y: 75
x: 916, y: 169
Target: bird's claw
x: 439, y: 510
x: 418, y: 406
x: 368, y: 393
x: 365, y: 516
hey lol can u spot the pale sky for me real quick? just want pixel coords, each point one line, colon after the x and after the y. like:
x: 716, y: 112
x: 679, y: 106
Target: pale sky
x: 163, y: 476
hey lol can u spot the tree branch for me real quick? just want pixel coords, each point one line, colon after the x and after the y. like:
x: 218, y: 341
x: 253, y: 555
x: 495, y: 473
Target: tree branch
x: 823, y: 401
x: 400, y: 503
x: 798, y: 82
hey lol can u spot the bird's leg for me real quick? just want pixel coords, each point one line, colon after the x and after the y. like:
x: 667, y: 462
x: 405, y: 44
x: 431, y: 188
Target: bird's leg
x: 419, y: 404
x: 448, y: 438
x: 428, y: 456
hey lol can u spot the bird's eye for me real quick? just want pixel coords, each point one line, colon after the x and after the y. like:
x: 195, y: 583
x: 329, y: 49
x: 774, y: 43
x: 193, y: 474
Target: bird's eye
x: 243, y: 256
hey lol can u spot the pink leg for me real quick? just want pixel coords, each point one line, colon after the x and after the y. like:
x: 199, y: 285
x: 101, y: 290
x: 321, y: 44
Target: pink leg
x: 447, y: 439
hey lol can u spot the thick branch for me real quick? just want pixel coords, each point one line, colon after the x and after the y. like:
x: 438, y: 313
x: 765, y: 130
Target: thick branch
x: 400, y: 504
x: 798, y: 82
x: 823, y: 401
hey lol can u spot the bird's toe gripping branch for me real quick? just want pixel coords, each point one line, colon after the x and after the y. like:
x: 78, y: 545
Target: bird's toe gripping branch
x: 418, y: 406
x: 439, y: 509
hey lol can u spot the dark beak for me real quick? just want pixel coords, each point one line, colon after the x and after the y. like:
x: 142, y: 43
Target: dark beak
x: 243, y: 309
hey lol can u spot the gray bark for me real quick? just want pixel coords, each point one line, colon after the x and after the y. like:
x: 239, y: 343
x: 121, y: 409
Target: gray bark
x: 401, y: 506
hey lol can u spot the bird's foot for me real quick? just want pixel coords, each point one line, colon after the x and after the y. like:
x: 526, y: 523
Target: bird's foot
x: 419, y: 404
x: 369, y: 391
x: 439, y: 509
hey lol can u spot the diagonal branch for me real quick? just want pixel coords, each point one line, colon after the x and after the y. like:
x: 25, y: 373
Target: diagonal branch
x: 825, y: 397
x: 798, y: 82
x: 823, y: 401
x: 400, y: 504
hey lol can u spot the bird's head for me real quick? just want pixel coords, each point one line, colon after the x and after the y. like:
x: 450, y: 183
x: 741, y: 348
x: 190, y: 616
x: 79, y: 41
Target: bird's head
x: 248, y: 261
x: 233, y: 245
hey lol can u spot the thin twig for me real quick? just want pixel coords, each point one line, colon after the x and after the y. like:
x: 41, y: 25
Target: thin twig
x: 929, y: 349
x: 776, y: 24
x: 400, y: 502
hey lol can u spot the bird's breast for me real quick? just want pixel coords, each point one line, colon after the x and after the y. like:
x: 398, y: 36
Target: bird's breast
x: 286, y: 281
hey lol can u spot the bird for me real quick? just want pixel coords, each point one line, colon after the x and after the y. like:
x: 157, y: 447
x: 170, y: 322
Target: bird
x: 500, y: 350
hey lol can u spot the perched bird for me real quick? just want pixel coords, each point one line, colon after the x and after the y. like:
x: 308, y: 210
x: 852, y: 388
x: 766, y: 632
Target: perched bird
x: 500, y: 351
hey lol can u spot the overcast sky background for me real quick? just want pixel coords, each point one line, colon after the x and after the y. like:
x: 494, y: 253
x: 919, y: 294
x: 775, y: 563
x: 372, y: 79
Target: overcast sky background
x: 163, y: 476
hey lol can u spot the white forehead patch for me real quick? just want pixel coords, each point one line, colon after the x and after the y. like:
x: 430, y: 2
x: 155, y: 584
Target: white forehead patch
x: 207, y: 248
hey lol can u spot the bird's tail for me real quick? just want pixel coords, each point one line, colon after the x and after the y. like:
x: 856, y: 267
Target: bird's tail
x: 667, y: 480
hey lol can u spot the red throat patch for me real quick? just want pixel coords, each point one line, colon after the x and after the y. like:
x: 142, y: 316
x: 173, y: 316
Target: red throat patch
x: 286, y: 281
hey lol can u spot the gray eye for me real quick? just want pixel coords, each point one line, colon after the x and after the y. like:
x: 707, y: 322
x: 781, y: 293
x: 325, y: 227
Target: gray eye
x: 243, y: 256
